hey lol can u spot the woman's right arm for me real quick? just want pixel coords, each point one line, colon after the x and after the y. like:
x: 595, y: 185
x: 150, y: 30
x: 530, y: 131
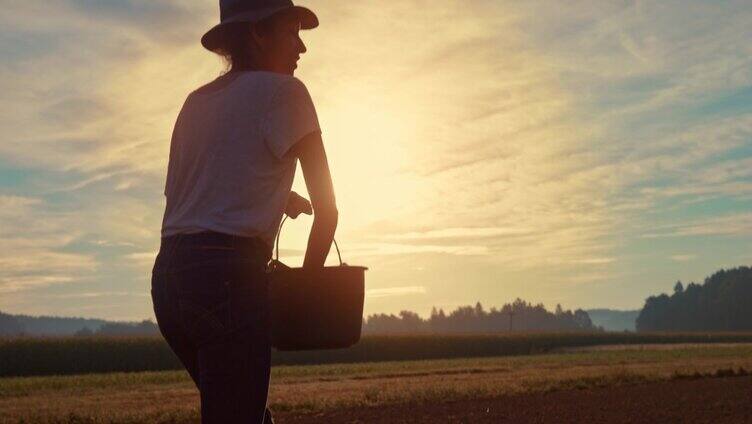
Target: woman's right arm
x: 310, y: 151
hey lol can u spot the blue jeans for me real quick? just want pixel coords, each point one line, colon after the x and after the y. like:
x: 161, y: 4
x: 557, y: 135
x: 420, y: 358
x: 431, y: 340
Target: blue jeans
x: 210, y: 300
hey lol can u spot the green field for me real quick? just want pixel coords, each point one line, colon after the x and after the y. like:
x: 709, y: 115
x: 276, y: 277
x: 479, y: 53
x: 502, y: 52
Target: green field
x: 169, y: 396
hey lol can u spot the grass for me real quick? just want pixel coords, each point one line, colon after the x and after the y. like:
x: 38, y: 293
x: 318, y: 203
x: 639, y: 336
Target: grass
x: 169, y: 396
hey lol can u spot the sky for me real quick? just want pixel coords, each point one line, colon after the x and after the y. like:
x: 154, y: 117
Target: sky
x: 481, y: 150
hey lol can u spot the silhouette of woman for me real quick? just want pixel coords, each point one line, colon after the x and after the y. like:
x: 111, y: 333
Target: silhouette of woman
x: 233, y: 155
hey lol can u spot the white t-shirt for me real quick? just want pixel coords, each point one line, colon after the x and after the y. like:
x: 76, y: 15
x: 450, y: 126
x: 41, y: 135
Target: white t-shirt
x: 227, y: 170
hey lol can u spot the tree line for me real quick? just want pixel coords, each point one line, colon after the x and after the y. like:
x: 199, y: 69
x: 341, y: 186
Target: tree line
x: 143, y: 328
x: 722, y: 303
x: 517, y: 316
x: 24, y: 325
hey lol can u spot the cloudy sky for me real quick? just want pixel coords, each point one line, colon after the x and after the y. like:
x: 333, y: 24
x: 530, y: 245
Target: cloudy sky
x: 482, y: 150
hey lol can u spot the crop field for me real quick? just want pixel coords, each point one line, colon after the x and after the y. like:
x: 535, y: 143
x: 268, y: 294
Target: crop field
x: 79, y: 355
x: 480, y: 389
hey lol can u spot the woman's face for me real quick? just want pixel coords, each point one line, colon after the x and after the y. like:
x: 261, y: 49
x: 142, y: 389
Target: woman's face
x: 281, y: 46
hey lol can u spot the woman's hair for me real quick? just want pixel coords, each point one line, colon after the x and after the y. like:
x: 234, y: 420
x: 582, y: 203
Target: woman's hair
x: 238, y: 48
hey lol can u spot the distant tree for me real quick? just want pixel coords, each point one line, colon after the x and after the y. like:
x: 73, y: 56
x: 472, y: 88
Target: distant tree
x: 523, y: 315
x: 9, y: 325
x: 722, y: 303
x: 406, y: 322
x: 143, y: 328
x: 411, y: 320
x: 54, y: 325
x: 582, y: 319
x: 84, y: 332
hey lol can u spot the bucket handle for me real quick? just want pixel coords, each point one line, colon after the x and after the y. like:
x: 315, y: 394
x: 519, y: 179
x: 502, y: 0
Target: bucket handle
x: 276, y: 259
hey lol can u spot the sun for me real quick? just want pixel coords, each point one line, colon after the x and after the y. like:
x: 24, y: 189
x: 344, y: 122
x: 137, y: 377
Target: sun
x: 368, y: 148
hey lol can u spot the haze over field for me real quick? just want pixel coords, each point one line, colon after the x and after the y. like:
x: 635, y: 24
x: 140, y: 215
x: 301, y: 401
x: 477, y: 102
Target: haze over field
x: 481, y: 150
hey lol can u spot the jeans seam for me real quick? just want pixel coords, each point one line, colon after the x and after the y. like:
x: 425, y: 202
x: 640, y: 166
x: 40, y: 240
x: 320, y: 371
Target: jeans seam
x: 171, y: 256
x: 207, y: 316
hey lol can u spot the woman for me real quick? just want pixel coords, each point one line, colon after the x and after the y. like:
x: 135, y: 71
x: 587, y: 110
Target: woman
x: 233, y: 155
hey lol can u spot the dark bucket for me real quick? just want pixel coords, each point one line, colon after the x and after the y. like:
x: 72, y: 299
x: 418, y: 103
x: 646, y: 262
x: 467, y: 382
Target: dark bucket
x: 316, y: 310
x: 322, y: 311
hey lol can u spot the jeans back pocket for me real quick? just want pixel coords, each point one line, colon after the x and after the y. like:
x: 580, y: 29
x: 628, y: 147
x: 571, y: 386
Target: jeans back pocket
x: 203, y: 301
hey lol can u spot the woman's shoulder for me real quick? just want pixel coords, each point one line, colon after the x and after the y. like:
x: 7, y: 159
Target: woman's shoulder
x: 276, y: 88
x: 269, y: 88
x: 276, y: 83
x: 270, y: 80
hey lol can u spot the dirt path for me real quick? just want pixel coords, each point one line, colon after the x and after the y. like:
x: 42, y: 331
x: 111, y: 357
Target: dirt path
x: 706, y: 400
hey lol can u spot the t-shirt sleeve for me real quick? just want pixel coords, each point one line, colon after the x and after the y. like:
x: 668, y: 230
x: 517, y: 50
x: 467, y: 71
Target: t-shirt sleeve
x: 291, y: 116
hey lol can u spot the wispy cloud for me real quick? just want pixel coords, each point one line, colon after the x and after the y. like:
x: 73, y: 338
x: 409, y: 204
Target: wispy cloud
x: 739, y: 225
x: 143, y: 260
x: 381, y: 249
x: 33, y: 242
x: 595, y: 261
x: 457, y: 233
x: 683, y: 257
x: 395, y: 291
x: 94, y: 295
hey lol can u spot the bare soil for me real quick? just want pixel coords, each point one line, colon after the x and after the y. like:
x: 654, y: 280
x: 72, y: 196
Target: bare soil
x: 702, y: 400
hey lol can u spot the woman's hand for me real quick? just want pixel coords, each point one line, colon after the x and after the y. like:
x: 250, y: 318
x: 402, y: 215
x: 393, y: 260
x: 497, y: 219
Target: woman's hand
x: 297, y: 204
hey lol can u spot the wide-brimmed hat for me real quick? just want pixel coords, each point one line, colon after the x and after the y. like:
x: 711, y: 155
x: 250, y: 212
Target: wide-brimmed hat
x: 234, y: 11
